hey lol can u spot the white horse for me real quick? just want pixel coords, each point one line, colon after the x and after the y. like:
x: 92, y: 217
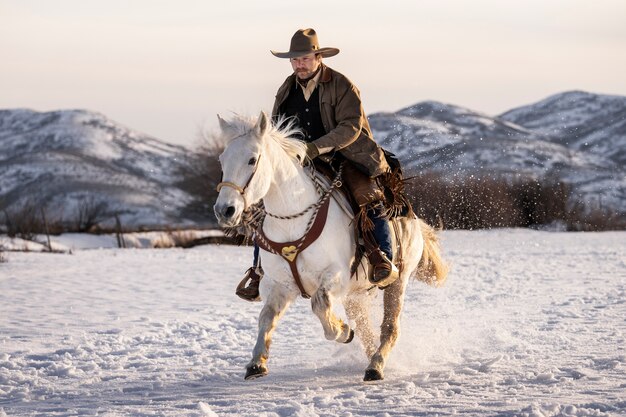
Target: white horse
x: 262, y: 162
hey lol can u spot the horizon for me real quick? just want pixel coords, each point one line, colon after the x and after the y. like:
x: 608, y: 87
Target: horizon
x: 168, y: 70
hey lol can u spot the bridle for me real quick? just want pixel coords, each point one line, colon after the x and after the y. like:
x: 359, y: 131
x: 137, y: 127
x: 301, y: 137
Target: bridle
x: 240, y: 190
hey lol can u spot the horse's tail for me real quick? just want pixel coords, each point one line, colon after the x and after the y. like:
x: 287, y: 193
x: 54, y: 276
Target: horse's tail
x: 432, y: 269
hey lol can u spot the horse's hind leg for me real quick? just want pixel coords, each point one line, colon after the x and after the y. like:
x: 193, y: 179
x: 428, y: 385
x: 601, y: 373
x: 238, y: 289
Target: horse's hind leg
x: 334, y: 328
x: 356, y: 310
x: 273, y: 309
x: 389, y: 330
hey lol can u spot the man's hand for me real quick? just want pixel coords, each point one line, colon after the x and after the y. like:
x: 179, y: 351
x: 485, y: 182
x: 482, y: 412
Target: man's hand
x: 311, y: 151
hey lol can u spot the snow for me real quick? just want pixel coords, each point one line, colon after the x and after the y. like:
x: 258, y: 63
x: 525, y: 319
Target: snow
x: 69, y: 242
x: 529, y: 323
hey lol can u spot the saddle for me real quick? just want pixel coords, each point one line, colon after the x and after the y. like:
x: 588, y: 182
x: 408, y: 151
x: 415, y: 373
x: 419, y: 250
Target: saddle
x: 357, y: 194
x: 364, y: 193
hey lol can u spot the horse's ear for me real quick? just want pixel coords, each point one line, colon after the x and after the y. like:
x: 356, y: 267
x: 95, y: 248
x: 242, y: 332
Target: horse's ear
x: 224, y: 125
x: 262, y: 124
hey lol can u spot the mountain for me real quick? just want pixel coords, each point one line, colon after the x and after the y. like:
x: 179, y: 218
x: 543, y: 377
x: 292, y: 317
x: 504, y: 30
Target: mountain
x: 73, y: 161
x: 579, y: 138
x: 586, y: 122
x: 65, y: 159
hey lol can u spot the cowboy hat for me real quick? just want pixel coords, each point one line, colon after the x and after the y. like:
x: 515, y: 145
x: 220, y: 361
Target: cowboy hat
x: 304, y: 42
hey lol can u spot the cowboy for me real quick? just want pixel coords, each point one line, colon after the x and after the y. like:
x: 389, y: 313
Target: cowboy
x: 327, y: 108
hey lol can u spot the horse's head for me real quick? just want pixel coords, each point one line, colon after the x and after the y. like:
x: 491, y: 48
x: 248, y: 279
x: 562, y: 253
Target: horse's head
x: 246, y: 174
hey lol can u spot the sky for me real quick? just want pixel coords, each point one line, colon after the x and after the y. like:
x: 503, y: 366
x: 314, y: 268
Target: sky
x: 166, y: 68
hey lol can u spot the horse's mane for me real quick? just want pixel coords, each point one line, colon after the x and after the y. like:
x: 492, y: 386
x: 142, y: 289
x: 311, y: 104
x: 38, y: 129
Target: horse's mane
x: 283, y: 131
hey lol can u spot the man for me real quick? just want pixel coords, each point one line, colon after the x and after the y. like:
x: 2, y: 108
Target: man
x: 327, y: 108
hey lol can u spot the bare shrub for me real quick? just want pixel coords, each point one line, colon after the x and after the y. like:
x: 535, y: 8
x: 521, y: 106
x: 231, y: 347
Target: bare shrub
x: 540, y: 202
x: 31, y: 218
x: 89, y: 212
x: 182, y: 238
x: 473, y: 203
x: 584, y: 219
x: 174, y: 239
x: 164, y: 241
x: 24, y: 221
x: 485, y: 202
x: 200, y: 173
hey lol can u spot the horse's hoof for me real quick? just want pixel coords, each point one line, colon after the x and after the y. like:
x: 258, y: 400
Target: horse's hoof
x: 372, y: 375
x: 350, y: 337
x: 255, y: 371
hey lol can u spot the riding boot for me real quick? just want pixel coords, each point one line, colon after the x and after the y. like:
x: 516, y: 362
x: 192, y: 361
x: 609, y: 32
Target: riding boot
x: 381, y: 258
x: 385, y: 272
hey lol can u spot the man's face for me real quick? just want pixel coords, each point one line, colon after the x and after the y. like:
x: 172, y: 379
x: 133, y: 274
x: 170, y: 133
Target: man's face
x: 305, y: 66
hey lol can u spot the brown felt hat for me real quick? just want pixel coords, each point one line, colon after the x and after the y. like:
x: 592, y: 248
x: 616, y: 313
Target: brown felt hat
x: 304, y: 42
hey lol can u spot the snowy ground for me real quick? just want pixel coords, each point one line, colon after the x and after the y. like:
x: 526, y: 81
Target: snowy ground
x: 529, y: 324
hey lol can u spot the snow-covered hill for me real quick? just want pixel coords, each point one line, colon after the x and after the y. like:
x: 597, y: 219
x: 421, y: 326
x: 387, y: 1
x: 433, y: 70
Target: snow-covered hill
x: 62, y: 158
x: 591, y: 123
x: 576, y: 137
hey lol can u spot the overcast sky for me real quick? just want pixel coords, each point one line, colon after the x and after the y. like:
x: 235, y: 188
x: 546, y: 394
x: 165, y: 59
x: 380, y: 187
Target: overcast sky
x: 167, y: 67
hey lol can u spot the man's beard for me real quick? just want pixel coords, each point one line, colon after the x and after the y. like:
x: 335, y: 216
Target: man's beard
x: 303, y: 73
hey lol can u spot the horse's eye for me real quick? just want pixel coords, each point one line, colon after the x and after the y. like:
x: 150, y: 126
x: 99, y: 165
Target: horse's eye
x: 252, y: 161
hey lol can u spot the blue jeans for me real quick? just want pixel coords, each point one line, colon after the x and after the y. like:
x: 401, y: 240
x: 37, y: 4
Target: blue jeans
x: 382, y: 232
x: 255, y: 260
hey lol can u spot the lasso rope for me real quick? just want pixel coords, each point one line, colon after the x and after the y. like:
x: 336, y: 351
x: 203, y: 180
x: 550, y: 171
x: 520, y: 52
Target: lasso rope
x: 324, y: 194
x: 255, y: 215
x: 258, y: 213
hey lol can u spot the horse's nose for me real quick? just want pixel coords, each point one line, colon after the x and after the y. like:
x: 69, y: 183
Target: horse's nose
x: 224, y: 211
x: 228, y: 213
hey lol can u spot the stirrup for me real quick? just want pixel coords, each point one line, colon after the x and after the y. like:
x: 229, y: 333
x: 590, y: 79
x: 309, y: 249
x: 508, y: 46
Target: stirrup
x: 250, y: 291
x: 384, y: 271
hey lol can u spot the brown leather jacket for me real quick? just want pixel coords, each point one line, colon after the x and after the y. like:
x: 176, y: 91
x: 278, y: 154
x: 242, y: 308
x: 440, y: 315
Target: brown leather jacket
x: 345, y: 123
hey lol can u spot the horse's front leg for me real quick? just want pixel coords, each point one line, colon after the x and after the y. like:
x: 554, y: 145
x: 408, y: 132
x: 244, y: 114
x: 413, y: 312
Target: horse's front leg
x: 322, y: 305
x: 389, y: 329
x: 271, y: 312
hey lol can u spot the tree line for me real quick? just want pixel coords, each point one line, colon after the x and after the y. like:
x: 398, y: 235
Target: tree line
x: 463, y: 203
